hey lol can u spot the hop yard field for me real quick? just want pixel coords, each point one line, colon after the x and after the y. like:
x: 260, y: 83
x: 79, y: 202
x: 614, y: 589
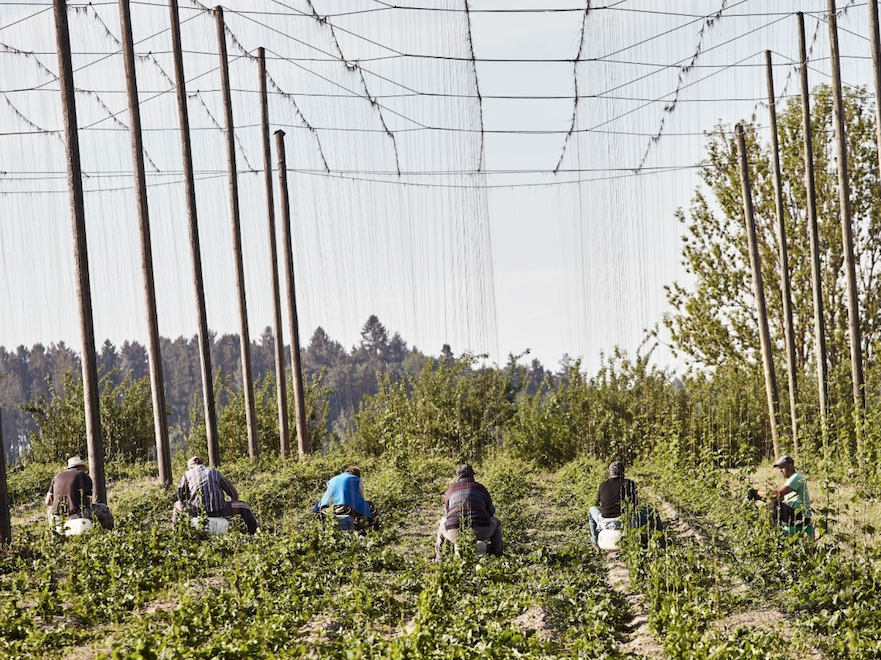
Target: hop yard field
x: 726, y: 585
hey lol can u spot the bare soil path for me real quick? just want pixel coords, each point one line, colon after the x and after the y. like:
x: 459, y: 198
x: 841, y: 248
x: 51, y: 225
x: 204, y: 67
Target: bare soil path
x: 641, y: 641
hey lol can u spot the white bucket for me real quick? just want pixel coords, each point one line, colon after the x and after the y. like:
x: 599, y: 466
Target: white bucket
x: 74, y: 526
x: 609, y: 539
x: 215, y: 525
x: 480, y: 548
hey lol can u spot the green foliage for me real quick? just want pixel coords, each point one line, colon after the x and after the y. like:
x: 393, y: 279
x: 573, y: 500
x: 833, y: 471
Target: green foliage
x: 29, y: 481
x: 824, y: 585
x: 303, y: 589
x: 126, y: 413
x: 232, y: 426
x: 626, y: 409
x: 449, y: 409
x: 714, y: 321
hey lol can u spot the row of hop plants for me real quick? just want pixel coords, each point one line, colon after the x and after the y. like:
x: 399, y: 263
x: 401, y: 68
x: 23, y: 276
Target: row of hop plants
x: 127, y: 423
x: 685, y: 591
x: 827, y: 587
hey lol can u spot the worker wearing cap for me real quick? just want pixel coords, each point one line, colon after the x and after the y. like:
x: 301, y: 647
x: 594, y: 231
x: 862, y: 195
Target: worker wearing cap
x: 70, y: 495
x: 611, y: 493
x: 203, y: 490
x: 791, y: 503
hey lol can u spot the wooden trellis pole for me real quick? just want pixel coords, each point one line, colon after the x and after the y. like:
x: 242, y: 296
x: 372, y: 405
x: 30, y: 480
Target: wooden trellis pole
x: 284, y: 432
x: 195, y: 246
x: 850, y: 272
x: 758, y: 286
x: 94, y: 440
x: 5, y: 521
x: 784, y: 259
x: 160, y: 420
x: 303, y: 437
x: 813, y: 234
x: 244, y: 335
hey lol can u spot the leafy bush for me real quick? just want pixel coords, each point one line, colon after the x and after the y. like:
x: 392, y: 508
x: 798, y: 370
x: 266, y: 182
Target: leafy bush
x: 449, y: 409
x: 126, y: 413
x: 27, y: 482
x: 232, y: 429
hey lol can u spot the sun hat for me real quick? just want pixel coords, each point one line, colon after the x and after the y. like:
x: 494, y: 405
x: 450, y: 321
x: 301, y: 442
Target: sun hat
x: 76, y: 461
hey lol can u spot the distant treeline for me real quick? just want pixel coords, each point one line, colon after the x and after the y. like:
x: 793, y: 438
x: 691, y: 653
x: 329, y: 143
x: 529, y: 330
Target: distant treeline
x: 350, y: 375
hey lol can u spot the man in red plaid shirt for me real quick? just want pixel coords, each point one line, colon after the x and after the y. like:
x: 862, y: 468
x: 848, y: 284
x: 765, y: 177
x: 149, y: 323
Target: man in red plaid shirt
x: 467, y: 504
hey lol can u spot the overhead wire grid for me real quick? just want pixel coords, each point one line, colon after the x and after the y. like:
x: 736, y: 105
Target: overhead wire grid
x: 415, y: 129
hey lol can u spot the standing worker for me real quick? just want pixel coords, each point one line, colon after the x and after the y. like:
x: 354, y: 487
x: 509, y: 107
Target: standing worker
x: 70, y: 495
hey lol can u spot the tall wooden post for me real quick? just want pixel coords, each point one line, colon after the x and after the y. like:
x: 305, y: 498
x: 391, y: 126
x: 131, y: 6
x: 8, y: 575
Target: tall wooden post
x: 784, y: 260
x: 195, y: 247
x: 244, y: 336
x: 813, y: 234
x: 303, y: 436
x: 5, y: 521
x: 160, y: 420
x: 284, y: 432
x: 853, y: 309
x: 81, y: 253
x: 876, y: 71
x: 758, y: 286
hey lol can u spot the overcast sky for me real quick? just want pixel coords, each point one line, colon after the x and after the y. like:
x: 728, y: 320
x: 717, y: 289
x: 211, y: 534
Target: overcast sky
x: 402, y: 206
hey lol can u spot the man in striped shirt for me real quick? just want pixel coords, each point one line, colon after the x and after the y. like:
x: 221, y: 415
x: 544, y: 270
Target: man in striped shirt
x: 467, y: 504
x: 203, y: 489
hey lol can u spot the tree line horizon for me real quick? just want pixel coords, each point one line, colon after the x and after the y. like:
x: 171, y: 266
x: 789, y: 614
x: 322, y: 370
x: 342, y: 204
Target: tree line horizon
x: 31, y: 375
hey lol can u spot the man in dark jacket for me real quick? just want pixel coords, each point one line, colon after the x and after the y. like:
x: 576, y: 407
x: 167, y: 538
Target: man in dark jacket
x: 612, y: 492
x: 467, y: 504
x: 70, y: 496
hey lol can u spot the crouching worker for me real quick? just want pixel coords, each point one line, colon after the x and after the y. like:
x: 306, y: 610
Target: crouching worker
x: 203, y: 490
x: 344, y: 496
x: 612, y: 493
x: 791, y: 503
x: 70, y: 496
x: 467, y: 505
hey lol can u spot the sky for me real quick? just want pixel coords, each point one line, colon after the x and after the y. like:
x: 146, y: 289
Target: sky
x: 475, y: 202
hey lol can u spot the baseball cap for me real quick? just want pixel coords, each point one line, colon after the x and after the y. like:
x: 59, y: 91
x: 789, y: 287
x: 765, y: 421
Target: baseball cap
x: 783, y: 460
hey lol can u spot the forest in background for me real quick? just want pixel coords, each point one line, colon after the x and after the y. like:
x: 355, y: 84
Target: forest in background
x: 29, y: 377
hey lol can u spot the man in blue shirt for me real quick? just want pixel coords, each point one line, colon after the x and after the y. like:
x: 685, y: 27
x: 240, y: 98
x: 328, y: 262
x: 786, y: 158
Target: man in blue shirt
x: 345, y: 493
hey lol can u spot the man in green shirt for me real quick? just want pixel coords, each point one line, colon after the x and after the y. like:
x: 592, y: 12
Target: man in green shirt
x: 791, y: 503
